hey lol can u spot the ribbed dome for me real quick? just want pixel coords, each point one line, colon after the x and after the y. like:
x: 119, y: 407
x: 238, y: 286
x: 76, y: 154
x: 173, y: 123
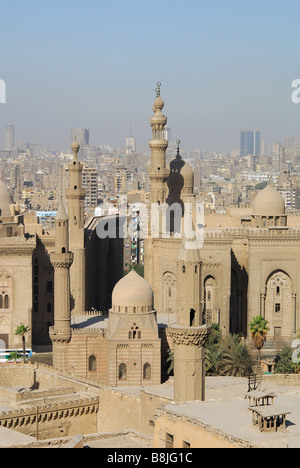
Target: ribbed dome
x: 5, y: 200
x: 132, y: 291
x: 269, y: 202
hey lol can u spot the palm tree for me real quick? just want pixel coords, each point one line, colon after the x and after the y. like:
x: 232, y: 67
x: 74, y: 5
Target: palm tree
x: 235, y: 359
x: 170, y: 362
x: 259, y: 330
x: 22, y: 330
x: 213, y: 358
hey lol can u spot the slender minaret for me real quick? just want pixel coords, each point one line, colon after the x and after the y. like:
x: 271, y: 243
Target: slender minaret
x: 158, y: 175
x: 189, y: 312
x: 75, y: 195
x: 189, y: 335
x: 61, y: 260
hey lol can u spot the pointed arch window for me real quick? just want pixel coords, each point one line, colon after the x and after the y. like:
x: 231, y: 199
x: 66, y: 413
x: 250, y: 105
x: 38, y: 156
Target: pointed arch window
x: 122, y: 372
x: 147, y: 371
x: 92, y: 364
x: 4, y: 300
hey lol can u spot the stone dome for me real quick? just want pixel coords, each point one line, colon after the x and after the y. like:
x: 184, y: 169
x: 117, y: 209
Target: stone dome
x: 5, y: 200
x: 132, y: 294
x: 269, y: 202
x: 188, y: 175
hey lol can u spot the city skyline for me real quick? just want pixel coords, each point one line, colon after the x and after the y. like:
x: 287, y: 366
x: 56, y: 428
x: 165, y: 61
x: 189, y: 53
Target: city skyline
x: 95, y: 65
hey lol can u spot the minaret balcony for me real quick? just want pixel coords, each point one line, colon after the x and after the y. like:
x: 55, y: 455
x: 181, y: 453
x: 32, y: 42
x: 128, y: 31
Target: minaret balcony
x: 61, y: 260
x: 75, y: 193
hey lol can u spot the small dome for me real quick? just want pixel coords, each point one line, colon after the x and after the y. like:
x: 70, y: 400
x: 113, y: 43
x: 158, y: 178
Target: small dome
x: 132, y: 291
x: 269, y: 202
x: 158, y: 104
x: 188, y: 175
x: 5, y: 200
x: 75, y: 146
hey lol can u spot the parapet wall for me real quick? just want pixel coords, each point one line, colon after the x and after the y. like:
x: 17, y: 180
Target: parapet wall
x: 283, y: 379
x: 54, y: 420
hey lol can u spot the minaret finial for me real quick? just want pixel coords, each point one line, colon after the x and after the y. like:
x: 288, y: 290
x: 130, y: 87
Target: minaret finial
x: 158, y: 89
x: 75, y: 148
x: 178, y: 147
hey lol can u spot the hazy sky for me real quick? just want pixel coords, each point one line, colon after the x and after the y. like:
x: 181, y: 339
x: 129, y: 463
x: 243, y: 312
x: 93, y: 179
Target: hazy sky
x: 224, y: 66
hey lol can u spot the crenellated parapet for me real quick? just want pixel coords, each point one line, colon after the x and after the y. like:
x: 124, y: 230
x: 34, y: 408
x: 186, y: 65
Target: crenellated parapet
x: 50, y: 412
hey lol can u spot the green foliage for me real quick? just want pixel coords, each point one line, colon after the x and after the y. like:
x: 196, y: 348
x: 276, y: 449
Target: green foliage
x: 213, y: 359
x: 13, y: 355
x: 22, y: 330
x: 236, y: 359
x: 139, y: 269
x: 284, y: 363
x: 261, y: 185
x: 259, y: 330
x: 215, y: 336
x: 213, y: 354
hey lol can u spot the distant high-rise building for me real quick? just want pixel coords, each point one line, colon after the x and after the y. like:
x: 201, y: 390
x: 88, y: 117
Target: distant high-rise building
x: 9, y: 137
x: 81, y: 135
x: 263, y: 147
x: 278, y: 156
x: 130, y: 145
x: 250, y: 143
x: 168, y: 134
x: 289, y: 142
x: 130, y: 142
x: 90, y: 184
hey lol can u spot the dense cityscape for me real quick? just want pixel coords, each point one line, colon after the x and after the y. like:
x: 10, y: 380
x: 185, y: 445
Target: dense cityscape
x: 149, y: 280
x: 222, y: 181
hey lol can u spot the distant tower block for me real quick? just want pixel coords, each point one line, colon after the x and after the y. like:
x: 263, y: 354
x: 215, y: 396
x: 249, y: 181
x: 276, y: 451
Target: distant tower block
x: 9, y: 137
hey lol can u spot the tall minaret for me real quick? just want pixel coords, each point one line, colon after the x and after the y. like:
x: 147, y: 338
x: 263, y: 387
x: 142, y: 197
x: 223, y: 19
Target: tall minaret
x: 61, y: 260
x: 158, y: 175
x: 75, y: 195
x: 189, y: 335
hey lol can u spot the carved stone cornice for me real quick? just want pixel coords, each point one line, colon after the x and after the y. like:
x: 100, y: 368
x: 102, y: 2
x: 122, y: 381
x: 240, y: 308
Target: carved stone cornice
x: 211, y: 265
x: 75, y: 196
x: 61, y: 260
x: 29, y: 416
x: 189, y: 336
x: 22, y: 251
x: 57, y: 336
x: 61, y: 264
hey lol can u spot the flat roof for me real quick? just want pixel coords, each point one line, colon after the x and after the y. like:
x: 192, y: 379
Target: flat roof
x: 226, y: 410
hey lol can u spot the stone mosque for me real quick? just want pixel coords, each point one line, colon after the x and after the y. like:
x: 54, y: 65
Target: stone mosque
x: 49, y: 281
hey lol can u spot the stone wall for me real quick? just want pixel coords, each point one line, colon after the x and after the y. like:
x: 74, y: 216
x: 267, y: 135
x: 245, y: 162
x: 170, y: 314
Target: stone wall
x: 187, y: 433
x: 55, y: 420
x: 283, y: 379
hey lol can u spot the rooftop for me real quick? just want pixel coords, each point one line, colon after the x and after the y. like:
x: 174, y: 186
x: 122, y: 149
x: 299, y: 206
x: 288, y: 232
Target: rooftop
x: 227, y: 411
